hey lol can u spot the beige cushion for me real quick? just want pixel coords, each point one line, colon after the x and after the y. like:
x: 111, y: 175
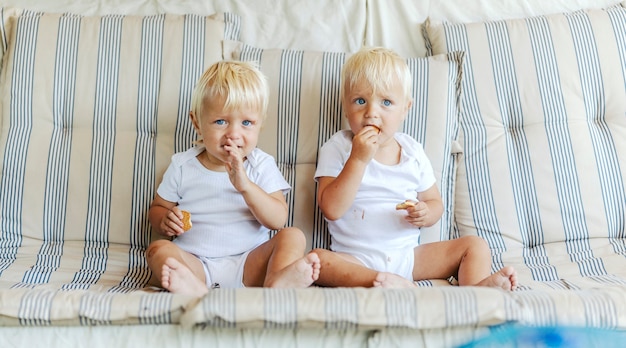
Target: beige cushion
x: 305, y: 111
x: 543, y: 176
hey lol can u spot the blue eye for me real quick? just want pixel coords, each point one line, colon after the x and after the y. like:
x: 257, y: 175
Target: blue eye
x: 387, y: 102
x: 247, y: 123
x: 220, y: 122
x: 360, y: 101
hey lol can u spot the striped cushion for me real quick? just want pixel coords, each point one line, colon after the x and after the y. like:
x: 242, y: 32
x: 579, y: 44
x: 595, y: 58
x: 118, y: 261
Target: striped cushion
x: 305, y: 111
x: 419, y: 308
x: 82, y: 100
x: 544, y: 137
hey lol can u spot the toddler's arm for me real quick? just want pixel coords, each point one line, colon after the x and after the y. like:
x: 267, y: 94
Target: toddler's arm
x: 270, y: 210
x: 335, y: 195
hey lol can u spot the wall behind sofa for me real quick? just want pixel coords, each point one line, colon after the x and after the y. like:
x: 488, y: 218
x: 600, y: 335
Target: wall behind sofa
x: 326, y: 25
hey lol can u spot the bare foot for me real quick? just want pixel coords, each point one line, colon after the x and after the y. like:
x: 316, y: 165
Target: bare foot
x: 391, y: 280
x: 300, y: 274
x: 505, y: 278
x: 179, y: 279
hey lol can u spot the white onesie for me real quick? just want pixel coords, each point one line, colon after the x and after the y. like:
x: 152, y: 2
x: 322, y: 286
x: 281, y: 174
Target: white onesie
x: 222, y: 222
x: 372, y: 229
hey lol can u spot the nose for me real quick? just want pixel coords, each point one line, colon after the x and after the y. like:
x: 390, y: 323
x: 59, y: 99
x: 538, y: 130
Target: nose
x: 371, y: 111
x: 233, y: 132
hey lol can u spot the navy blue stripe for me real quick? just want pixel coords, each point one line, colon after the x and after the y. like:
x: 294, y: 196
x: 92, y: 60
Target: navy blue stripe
x: 330, y: 121
x: 475, y: 143
x: 557, y: 129
x: 154, y: 309
x: 57, y: 169
x: 17, y: 143
x: 600, y: 309
x: 193, y: 56
x: 459, y: 302
x: 402, y: 309
x: 35, y: 308
x: 560, y: 142
x: 512, y: 117
x: 613, y: 186
x: 220, y: 302
x: 343, y: 303
x: 289, y: 93
x: 95, y: 309
x: 540, y: 306
x: 144, y: 173
x: 99, y: 207
x: 594, y: 98
x: 280, y: 309
x: 518, y: 153
x: 232, y: 27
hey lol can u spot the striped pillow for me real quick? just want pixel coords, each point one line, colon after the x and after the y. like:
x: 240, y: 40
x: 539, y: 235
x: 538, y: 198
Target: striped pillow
x: 92, y: 110
x: 305, y: 111
x: 543, y: 176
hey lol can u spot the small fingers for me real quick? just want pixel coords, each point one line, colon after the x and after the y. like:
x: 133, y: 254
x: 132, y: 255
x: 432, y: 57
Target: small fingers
x: 172, y: 224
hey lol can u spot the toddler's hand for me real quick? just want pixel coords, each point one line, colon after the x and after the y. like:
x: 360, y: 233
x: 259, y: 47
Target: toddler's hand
x: 234, y: 166
x: 418, y: 214
x: 365, y: 144
x: 172, y: 223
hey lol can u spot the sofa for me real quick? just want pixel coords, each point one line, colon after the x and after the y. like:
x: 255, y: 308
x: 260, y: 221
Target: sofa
x: 520, y: 105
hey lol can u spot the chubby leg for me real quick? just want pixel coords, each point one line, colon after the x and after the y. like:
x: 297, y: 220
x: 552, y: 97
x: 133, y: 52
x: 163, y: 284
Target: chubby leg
x: 175, y: 269
x: 280, y: 262
x: 467, y: 258
x: 342, y: 270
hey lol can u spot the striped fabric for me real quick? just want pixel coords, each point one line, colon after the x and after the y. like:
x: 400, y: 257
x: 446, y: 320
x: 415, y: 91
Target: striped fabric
x: 420, y: 308
x: 305, y: 111
x: 543, y: 129
x: 92, y: 110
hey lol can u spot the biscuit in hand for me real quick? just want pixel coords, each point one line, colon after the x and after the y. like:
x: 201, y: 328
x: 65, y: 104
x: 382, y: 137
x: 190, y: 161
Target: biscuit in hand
x: 405, y: 205
x: 186, y: 220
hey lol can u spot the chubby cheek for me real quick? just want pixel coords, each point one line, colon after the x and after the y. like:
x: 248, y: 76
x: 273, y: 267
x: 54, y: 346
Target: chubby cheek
x: 250, y: 142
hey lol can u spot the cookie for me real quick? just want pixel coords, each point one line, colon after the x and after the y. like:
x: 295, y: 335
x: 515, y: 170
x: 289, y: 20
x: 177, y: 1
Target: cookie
x: 186, y: 220
x: 405, y: 205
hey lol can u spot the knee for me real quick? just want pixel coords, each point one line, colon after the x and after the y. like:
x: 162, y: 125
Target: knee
x: 476, y: 243
x: 155, y: 246
x: 291, y: 235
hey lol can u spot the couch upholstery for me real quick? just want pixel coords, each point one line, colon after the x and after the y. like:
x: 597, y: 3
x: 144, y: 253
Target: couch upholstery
x: 524, y: 120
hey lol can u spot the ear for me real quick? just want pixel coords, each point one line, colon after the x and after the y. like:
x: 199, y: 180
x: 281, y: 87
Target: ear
x: 195, y: 122
x: 409, y: 103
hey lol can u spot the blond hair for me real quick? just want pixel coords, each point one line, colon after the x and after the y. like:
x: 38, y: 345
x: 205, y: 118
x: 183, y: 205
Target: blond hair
x: 379, y: 67
x: 240, y: 84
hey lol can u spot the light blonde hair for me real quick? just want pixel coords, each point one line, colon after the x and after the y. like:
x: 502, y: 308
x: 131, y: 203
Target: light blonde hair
x: 241, y: 84
x: 377, y: 66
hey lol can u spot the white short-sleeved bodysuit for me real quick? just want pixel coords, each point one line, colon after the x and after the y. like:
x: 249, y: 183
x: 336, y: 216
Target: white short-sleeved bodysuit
x: 222, y: 222
x: 372, y: 229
